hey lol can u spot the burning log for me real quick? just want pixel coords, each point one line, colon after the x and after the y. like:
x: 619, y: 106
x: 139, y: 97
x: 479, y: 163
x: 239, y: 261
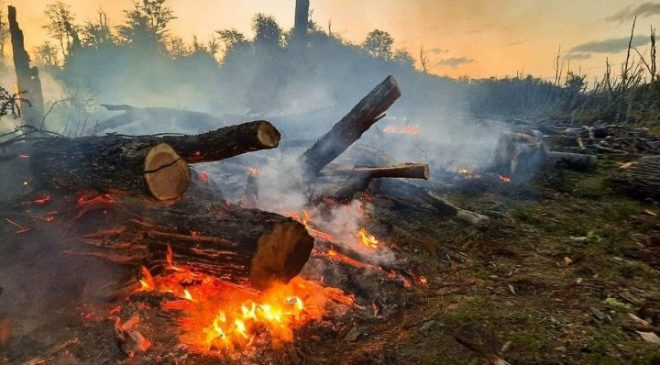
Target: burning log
x: 351, y: 127
x: 640, y: 178
x: 150, y: 166
x: 242, y: 245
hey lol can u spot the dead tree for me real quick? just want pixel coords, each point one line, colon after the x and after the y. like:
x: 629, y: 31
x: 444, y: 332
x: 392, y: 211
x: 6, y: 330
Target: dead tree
x: 27, y: 78
x: 301, y: 25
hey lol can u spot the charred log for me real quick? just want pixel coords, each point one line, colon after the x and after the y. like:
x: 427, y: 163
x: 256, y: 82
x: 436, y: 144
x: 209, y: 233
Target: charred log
x: 351, y: 127
x: 223, y: 240
x: 408, y: 170
x: 573, y: 161
x: 149, y: 166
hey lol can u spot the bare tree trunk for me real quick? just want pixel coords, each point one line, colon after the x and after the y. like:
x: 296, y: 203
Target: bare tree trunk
x: 27, y: 78
x: 302, y: 20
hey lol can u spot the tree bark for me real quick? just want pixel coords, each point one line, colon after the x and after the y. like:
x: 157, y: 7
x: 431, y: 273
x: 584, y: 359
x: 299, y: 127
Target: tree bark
x: 301, y: 25
x: 241, y: 245
x: 27, y: 78
x: 149, y: 166
x: 409, y: 170
x: 641, y: 179
x: 351, y: 127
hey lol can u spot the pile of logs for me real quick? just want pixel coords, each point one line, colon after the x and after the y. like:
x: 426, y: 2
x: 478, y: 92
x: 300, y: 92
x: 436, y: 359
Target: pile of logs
x: 640, y: 178
x: 603, y: 138
x: 151, y: 205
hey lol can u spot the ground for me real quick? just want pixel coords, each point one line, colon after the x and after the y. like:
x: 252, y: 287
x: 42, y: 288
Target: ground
x: 561, y: 275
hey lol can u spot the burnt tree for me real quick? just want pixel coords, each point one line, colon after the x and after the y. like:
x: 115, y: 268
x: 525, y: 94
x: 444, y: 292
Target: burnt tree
x: 27, y: 78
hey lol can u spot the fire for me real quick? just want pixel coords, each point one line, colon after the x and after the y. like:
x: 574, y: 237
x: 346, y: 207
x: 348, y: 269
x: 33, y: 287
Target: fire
x: 367, y: 239
x: 147, y: 281
x: 221, y: 318
x: 407, y: 129
x: 203, y: 177
x: 254, y: 171
x: 505, y: 179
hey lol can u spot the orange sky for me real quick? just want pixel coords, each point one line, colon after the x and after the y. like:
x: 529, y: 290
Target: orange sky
x: 476, y: 38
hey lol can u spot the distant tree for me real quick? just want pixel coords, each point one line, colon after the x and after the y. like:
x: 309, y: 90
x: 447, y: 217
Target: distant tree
x: 98, y: 34
x: 267, y: 31
x: 232, y: 40
x: 46, y: 55
x: 61, y: 26
x: 424, y: 59
x: 379, y: 44
x: 146, y: 23
x: 404, y: 57
x: 177, y: 47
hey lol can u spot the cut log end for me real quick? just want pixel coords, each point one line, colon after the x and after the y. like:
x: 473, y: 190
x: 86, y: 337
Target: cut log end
x: 268, y: 135
x: 167, y: 175
x: 281, y: 254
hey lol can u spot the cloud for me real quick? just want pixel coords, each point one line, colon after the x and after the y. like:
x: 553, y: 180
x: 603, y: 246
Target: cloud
x: 455, y: 62
x: 612, y: 45
x: 437, y: 50
x: 628, y: 13
x: 578, y: 56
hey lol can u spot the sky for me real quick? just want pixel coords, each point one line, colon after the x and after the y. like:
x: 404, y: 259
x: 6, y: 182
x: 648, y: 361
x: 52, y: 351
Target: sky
x: 473, y: 38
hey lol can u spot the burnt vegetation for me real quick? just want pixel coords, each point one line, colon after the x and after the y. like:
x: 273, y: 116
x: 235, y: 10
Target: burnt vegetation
x: 149, y: 200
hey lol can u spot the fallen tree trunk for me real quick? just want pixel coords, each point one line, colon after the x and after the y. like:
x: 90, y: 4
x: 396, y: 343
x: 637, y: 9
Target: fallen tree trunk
x: 241, y: 245
x: 641, y: 179
x: 408, y: 170
x: 573, y: 161
x: 351, y: 127
x: 149, y: 166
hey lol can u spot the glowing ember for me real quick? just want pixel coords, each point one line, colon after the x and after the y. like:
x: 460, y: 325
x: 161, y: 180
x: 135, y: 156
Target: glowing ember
x: 220, y: 318
x: 203, y: 177
x: 147, y: 281
x: 504, y: 179
x: 407, y: 129
x: 42, y: 200
x: 367, y: 239
x: 254, y: 171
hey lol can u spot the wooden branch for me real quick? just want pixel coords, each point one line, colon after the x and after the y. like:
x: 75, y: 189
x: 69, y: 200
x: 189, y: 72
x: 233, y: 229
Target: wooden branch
x: 225, y: 142
x: 350, y: 128
x: 409, y: 170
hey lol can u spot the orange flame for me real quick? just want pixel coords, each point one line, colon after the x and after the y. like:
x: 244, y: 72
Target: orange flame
x: 367, y: 239
x: 407, y: 129
x: 217, y: 317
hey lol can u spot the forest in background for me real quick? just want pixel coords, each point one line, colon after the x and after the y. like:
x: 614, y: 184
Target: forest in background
x: 138, y: 62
